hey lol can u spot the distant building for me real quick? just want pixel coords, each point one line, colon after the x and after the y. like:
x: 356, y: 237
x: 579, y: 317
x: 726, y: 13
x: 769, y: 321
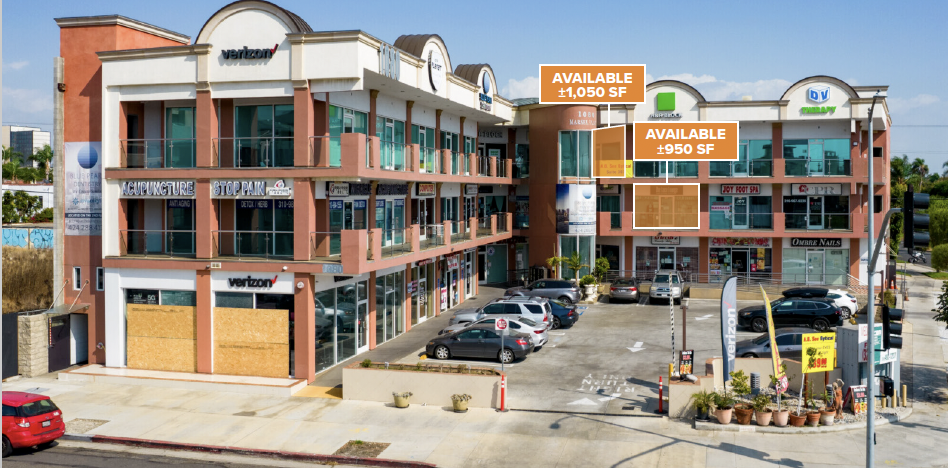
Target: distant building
x: 44, y: 191
x: 25, y: 140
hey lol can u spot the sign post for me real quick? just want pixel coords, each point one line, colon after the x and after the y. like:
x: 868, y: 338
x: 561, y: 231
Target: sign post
x: 502, y: 326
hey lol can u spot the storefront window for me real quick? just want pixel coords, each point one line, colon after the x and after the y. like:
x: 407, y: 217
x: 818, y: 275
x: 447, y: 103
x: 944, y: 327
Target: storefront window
x: 234, y: 300
x: 817, y: 212
x: 727, y: 261
x: 390, y: 320
x: 179, y: 298
x: 575, y: 153
x: 815, y: 266
x: 326, y: 324
x: 581, y: 244
x: 610, y: 204
x: 180, y: 227
x: 345, y: 215
x: 521, y: 212
x: 520, y: 164
x: 343, y: 120
x: 755, y: 160
x: 392, y: 143
x: 425, y: 138
x: 264, y: 136
x: 817, y: 157
x: 179, y: 138
x: 740, y: 212
x: 655, y: 169
x: 265, y: 228
x: 489, y: 205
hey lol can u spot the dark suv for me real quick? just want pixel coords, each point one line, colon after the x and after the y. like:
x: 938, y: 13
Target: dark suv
x: 820, y: 314
x: 565, y: 291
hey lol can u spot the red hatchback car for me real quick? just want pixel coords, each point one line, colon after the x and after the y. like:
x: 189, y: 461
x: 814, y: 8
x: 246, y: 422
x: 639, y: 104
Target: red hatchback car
x: 29, y: 419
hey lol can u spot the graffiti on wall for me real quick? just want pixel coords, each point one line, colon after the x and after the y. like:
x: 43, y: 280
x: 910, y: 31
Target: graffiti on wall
x: 28, y: 237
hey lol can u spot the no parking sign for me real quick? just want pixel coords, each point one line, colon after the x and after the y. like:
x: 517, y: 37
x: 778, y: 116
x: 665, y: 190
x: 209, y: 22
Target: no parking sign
x: 501, y: 324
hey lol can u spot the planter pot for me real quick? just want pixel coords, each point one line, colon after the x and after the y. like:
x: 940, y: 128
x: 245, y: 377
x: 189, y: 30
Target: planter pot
x: 724, y: 416
x: 702, y: 415
x: 460, y: 406
x: 401, y: 402
x: 797, y: 420
x: 827, y: 417
x: 812, y: 417
x: 763, y: 418
x: 744, y: 415
x: 780, y: 418
x: 590, y: 290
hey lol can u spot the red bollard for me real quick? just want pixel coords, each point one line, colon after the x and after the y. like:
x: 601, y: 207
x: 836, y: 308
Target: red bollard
x: 502, y: 409
x: 660, y: 411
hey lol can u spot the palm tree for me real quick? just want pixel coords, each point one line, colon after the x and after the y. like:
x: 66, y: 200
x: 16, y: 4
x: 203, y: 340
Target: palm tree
x: 44, y: 157
x: 900, y: 169
x: 11, y: 166
x: 919, y: 168
x: 555, y: 261
x: 575, y: 264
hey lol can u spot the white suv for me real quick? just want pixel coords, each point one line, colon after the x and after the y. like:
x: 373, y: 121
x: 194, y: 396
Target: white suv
x: 661, y: 288
x: 535, y: 308
x: 845, y: 300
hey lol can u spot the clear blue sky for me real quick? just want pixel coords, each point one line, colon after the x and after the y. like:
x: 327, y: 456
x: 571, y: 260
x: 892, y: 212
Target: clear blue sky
x: 725, y: 49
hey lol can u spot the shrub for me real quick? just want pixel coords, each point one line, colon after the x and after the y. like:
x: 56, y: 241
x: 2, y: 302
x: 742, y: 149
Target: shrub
x: 724, y: 399
x: 703, y: 401
x: 938, y: 257
x: 588, y: 280
x: 366, y: 363
x: 760, y: 402
x: 740, y: 382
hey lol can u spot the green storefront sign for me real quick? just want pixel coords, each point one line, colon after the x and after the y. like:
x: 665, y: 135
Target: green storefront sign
x: 819, y: 110
x: 882, y: 357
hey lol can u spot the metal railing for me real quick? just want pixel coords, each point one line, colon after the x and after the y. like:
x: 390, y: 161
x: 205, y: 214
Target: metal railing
x: 456, y: 161
x: 429, y: 160
x: 432, y: 236
x: 256, y: 152
x: 817, y: 167
x: 774, y: 283
x: 459, y: 233
x: 501, y: 168
x: 817, y: 222
x: 325, y: 244
x: 393, y: 156
x: 501, y: 222
x: 483, y: 228
x: 325, y: 147
x: 158, y: 153
x: 657, y: 169
x: 741, y: 221
x: 748, y: 168
x: 396, y: 242
x: 254, y: 244
x: 158, y: 243
x: 483, y: 162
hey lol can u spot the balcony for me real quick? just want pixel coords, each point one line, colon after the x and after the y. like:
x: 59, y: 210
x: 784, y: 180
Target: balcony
x: 817, y: 167
x: 266, y: 245
x: 659, y: 169
x: 432, y: 236
x: 750, y: 168
x: 805, y: 222
x: 325, y: 245
x: 744, y: 221
x: 157, y: 243
x: 254, y: 152
x: 157, y: 153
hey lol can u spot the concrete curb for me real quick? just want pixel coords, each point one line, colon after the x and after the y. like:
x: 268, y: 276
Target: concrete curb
x: 716, y: 427
x: 262, y: 453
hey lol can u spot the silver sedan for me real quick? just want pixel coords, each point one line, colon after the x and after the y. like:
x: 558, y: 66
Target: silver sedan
x: 625, y: 289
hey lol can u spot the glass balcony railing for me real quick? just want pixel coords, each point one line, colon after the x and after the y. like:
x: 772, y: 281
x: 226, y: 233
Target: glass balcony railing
x: 393, y: 156
x: 817, y: 167
x: 158, y: 153
x: 396, y: 242
x: 483, y: 162
x: 432, y: 236
x: 484, y: 227
x: 253, y: 244
x: 158, y: 243
x: 459, y: 233
x: 750, y: 168
x: 325, y: 244
x: 501, y: 223
x: 325, y: 151
x: 718, y: 221
x: 429, y: 162
x: 255, y: 152
x: 658, y: 169
x: 817, y: 222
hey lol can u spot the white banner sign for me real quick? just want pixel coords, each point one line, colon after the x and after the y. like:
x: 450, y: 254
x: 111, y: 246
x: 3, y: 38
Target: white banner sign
x: 576, y: 209
x: 83, y: 188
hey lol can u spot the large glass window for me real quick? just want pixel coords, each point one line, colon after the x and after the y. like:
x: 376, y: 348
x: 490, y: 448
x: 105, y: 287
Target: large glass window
x: 265, y: 136
x: 390, y: 320
x: 581, y: 244
x: 520, y: 164
x: 575, y: 153
x: 755, y: 160
x: 740, y: 212
x: 343, y: 120
x: 425, y: 138
x: 817, y: 157
x: 180, y: 227
x: 817, y: 212
x: 521, y: 212
x: 392, y: 143
x: 179, y: 138
x: 611, y: 204
x: 655, y: 169
x: 265, y: 228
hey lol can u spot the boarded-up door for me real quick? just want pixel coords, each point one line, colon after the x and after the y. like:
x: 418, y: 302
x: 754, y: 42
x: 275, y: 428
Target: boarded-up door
x: 251, y: 342
x: 161, y: 337
x: 10, y: 355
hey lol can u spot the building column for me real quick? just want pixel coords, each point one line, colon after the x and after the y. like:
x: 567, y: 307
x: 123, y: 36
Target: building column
x: 303, y: 124
x: 304, y: 218
x: 409, y: 135
x: 438, y: 131
x: 321, y: 127
x: 225, y: 148
x: 371, y: 124
x: 204, y: 324
x: 407, y: 299
x: 777, y: 255
x: 204, y: 219
x: 704, y: 255
x: 371, y: 209
x: 206, y: 129
x: 778, y: 161
x: 371, y: 313
x: 304, y: 338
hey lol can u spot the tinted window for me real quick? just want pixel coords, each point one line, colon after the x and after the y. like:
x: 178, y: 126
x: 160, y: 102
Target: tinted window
x: 528, y: 322
x: 37, y: 407
x: 625, y: 282
x: 489, y: 334
x: 785, y: 305
x: 494, y: 309
x: 833, y: 296
x: 822, y: 305
x: 802, y: 305
x: 540, y: 285
x: 534, y: 309
x: 470, y: 334
x: 9, y: 410
x: 785, y: 340
x: 761, y: 340
x: 665, y: 279
x: 559, y: 303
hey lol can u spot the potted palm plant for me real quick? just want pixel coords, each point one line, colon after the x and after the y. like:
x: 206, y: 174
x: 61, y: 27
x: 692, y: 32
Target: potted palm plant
x: 780, y: 415
x: 763, y: 415
x: 827, y: 417
x: 575, y: 264
x: 460, y: 402
x: 401, y: 400
x: 702, y: 402
x: 555, y: 263
x: 812, y: 416
x: 740, y: 385
x: 724, y: 402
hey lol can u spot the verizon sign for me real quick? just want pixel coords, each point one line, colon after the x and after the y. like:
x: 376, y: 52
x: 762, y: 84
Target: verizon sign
x: 751, y: 189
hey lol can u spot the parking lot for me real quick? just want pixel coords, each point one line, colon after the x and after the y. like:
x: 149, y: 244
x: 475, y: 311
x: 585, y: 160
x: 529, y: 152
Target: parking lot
x: 610, y: 361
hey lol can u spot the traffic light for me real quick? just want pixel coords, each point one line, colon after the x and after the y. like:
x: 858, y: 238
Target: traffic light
x: 916, y: 226
x: 892, y: 320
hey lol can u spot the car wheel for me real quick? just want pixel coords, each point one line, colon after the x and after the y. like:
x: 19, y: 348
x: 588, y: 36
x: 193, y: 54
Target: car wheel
x: 566, y: 300
x: 820, y: 325
x: 7, y: 449
x: 441, y: 352
x: 759, y: 325
x: 556, y: 323
x: 505, y: 356
x: 749, y: 355
x: 851, y: 312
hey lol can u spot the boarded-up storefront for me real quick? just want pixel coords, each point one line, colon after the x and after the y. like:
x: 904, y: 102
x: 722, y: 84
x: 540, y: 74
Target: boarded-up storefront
x: 251, y: 342
x: 161, y: 337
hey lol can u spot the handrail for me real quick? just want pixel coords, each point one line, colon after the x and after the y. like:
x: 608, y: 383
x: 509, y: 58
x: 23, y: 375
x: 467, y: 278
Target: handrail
x: 459, y: 233
x: 255, y: 152
x: 140, y: 153
x: 138, y: 240
x: 237, y: 243
x: 400, y: 153
x: 754, y: 168
x: 433, y: 236
x: 824, y: 167
x: 324, y: 144
x: 483, y: 163
x: 429, y: 162
x: 325, y: 244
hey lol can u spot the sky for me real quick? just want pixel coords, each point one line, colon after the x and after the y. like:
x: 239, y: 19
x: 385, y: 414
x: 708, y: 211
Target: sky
x: 725, y: 49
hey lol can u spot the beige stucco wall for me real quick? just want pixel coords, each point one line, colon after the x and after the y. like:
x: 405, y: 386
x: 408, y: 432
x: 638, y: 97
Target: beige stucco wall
x: 431, y: 388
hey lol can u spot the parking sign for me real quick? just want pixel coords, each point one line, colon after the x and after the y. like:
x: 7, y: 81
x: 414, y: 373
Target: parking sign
x: 501, y: 324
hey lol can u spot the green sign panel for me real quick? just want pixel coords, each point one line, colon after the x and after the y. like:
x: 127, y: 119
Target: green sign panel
x: 882, y: 357
x: 819, y: 110
x: 665, y: 101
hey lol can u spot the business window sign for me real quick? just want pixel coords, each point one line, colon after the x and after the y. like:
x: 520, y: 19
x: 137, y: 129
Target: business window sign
x: 471, y: 189
x: 338, y: 189
x: 245, y: 53
x: 250, y: 188
x: 740, y: 241
x: 392, y: 189
x: 251, y: 282
x: 83, y: 216
x: 158, y: 188
x: 576, y: 209
x: 425, y: 189
x: 816, y: 242
x: 816, y: 189
x: 665, y: 240
x: 752, y: 189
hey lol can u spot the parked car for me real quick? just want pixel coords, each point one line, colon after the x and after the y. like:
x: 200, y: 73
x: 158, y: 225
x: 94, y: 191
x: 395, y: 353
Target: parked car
x: 807, y: 292
x: 535, y: 308
x: 788, y: 340
x: 565, y: 315
x: 820, y: 314
x: 565, y: 291
x: 625, y: 289
x: 842, y: 298
x: 537, y: 332
x: 30, y: 419
x: 480, y: 341
x: 661, y: 289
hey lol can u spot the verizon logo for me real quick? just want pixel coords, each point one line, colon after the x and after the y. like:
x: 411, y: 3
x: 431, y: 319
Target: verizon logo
x: 245, y: 53
x: 252, y: 282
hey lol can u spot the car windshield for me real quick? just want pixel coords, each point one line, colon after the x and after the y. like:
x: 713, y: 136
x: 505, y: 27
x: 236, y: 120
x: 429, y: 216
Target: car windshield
x: 37, y: 407
x: 665, y: 279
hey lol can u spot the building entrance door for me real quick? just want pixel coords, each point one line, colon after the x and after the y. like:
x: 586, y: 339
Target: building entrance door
x: 740, y: 215
x: 740, y: 262
x: 667, y: 259
x: 815, y: 267
x: 815, y: 212
x: 362, y: 326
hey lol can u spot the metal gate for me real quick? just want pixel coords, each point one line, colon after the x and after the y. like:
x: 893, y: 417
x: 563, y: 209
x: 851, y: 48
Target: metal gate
x: 59, y: 342
x: 10, y: 334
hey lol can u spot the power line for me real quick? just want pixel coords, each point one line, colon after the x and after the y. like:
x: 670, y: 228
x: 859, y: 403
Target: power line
x: 940, y: 126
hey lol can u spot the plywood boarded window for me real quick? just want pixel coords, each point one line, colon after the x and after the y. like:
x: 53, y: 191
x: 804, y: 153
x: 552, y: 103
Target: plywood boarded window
x: 252, y: 342
x: 161, y: 337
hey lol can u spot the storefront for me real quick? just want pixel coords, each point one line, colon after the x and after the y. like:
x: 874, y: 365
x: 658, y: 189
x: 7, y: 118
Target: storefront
x: 746, y: 206
x: 492, y: 199
x: 666, y: 253
x: 160, y: 217
x: 816, y: 207
x: 421, y: 288
x: 390, y: 318
x: 743, y: 256
x: 349, y: 209
x: 391, y: 212
x: 815, y: 260
x: 423, y: 208
x: 451, y: 283
x: 341, y: 321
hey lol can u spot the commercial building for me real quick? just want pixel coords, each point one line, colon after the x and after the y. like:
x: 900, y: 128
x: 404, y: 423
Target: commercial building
x: 269, y: 200
x: 25, y: 140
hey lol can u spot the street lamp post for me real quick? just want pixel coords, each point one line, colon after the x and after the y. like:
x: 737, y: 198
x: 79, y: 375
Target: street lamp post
x: 869, y: 461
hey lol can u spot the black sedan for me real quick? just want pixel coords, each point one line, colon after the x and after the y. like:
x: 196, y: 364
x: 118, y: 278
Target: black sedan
x: 565, y: 315
x: 480, y: 341
x: 788, y: 340
x: 820, y: 314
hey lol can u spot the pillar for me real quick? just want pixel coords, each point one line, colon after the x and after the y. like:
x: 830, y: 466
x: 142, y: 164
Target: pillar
x: 321, y: 127
x: 225, y: 147
x: 371, y: 314
x: 304, y: 338
x: 371, y: 124
x: 409, y: 105
x: 303, y: 125
x: 206, y: 129
x: 438, y: 130
x: 778, y: 161
x: 204, y: 322
x: 304, y: 217
x: 204, y: 219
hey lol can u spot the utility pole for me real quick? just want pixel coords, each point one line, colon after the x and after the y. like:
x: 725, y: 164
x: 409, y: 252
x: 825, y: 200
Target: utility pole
x: 59, y: 177
x: 869, y: 456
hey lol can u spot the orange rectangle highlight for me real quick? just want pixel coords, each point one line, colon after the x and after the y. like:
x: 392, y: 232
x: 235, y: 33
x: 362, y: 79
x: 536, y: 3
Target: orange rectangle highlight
x: 592, y: 84
x: 610, y: 150
x: 667, y: 206
x: 686, y: 141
